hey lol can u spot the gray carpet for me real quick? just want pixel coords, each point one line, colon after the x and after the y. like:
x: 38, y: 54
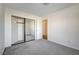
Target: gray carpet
x: 40, y: 47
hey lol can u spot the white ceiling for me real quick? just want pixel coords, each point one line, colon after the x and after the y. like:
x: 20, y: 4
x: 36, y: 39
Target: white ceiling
x: 38, y: 9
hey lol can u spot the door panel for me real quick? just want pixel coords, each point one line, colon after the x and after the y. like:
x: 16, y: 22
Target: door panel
x: 14, y: 32
x: 17, y: 30
x: 30, y: 29
x: 20, y: 29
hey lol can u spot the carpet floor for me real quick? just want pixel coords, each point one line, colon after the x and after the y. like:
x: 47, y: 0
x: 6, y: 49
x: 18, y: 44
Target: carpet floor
x: 40, y: 47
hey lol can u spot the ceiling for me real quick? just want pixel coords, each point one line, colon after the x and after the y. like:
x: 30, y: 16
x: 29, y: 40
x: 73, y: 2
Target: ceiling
x: 39, y: 9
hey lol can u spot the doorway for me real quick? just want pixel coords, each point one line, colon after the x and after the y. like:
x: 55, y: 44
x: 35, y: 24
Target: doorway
x: 45, y: 29
x: 22, y: 30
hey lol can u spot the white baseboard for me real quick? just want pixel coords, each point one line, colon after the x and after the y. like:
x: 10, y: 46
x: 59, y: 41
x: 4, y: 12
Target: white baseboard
x: 64, y: 45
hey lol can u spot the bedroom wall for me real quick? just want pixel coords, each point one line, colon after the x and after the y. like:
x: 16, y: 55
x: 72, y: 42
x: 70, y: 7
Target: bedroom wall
x: 1, y: 28
x: 63, y: 27
x: 9, y: 12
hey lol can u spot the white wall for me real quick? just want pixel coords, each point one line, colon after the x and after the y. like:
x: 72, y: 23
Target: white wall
x: 1, y: 29
x: 63, y: 27
x: 39, y: 29
x: 9, y: 12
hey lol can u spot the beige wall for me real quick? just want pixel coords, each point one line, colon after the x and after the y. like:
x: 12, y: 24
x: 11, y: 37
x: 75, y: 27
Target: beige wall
x: 63, y: 27
x: 9, y: 12
x: 1, y: 28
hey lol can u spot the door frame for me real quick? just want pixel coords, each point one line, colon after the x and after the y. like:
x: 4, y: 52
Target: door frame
x: 24, y: 30
x: 24, y: 40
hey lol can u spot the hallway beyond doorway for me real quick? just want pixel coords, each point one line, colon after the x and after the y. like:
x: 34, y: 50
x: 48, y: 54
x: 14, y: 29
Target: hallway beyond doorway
x: 45, y: 29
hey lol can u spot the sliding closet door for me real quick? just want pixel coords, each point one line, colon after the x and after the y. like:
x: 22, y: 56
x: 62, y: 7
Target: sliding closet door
x: 20, y: 29
x: 17, y: 30
x: 30, y: 29
x: 14, y: 30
